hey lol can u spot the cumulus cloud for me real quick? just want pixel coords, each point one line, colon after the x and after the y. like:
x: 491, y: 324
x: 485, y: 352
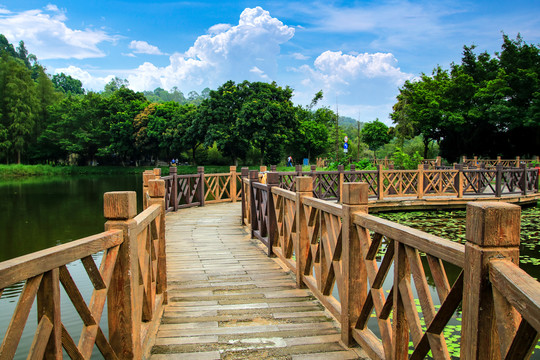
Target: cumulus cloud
x: 46, y: 35
x: 89, y: 81
x: 226, y: 52
x: 142, y: 47
x: 353, y: 81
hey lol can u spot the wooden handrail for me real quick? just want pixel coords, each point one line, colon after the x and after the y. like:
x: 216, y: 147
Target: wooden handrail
x: 131, y: 279
x: 341, y: 245
x: 27, y: 266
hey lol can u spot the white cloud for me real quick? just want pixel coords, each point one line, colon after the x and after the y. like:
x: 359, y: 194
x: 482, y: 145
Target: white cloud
x: 353, y: 82
x: 219, y: 28
x: 129, y: 55
x: 46, y: 35
x: 299, y: 56
x: 89, y: 81
x: 227, y: 52
x: 142, y: 47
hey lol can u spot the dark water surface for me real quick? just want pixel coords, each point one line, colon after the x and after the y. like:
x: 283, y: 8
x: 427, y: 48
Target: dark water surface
x: 42, y: 212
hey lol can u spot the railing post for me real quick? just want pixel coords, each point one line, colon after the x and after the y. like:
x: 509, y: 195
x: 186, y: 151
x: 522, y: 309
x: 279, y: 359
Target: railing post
x: 420, y: 181
x: 498, y: 180
x: 123, y: 300
x: 232, y: 183
x: 202, y: 190
x: 353, y: 167
x: 340, y: 182
x: 380, y: 183
x: 263, y: 168
x: 272, y: 180
x: 517, y: 161
x: 244, y: 174
x: 476, y: 161
x: 298, y: 169
x: 156, y: 190
x: 463, y: 160
x: 147, y: 175
x: 524, y: 179
x: 354, y: 277
x: 492, y: 232
x: 498, y: 160
x: 304, y: 188
x: 460, y: 180
x: 253, y: 178
x: 438, y: 161
x: 273, y: 168
x: 173, y: 170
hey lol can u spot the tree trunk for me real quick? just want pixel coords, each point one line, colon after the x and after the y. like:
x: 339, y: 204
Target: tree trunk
x: 19, y: 157
x: 426, y: 147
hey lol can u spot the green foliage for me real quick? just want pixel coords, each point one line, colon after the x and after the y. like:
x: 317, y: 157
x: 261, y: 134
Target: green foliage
x: 365, y: 164
x: 403, y: 161
x: 67, y: 84
x: 484, y: 106
x: 375, y: 134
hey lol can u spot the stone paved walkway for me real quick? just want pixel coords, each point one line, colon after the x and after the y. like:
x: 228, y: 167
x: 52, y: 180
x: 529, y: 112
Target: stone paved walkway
x: 228, y: 300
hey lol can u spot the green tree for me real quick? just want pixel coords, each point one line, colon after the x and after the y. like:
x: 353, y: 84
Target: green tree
x: 18, y: 106
x: 67, y: 84
x: 375, y: 134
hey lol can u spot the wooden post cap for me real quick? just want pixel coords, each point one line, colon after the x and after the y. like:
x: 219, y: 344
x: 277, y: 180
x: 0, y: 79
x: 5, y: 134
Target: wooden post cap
x: 157, y: 171
x: 120, y: 205
x: 304, y: 184
x: 156, y: 188
x: 273, y: 167
x: 355, y: 193
x: 173, y: 170
x: 254, y: 175
x: 493, y: 224
x: 263, y: 168
x: 244, y: 171
x: 313, y: 167
x: 298, y: 167
x: 147, y: 177
x: 272, y: 178
x: 232, y: 168
x: 200, y: 169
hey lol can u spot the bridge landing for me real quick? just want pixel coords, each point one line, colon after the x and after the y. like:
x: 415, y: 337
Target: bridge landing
x: 228, y: 300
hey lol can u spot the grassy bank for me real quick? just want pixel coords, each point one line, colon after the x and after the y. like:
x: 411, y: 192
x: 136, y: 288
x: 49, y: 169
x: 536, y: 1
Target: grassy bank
x: 17, y: 171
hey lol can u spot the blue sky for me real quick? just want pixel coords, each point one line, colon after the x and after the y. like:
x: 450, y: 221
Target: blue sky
x: 358, y: 52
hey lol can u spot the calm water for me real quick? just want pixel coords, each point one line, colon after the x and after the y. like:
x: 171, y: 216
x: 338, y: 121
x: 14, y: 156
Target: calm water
x: 42, y: 212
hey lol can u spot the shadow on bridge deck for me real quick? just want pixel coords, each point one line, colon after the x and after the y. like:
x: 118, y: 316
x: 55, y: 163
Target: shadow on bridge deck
x: 227, y: 300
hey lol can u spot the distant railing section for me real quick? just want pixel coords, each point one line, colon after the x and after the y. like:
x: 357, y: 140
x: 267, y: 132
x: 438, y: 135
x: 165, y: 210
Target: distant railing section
x: 340, y: 247
x: 517, y: 162
x: 131, y: 279
x: 457, y: 182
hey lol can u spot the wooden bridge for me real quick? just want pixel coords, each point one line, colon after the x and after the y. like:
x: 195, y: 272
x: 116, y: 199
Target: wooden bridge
x: 189, y: 285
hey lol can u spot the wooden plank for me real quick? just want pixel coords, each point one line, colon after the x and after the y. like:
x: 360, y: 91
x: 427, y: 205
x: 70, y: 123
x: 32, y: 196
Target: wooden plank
x: 524, y: 342
x: 146, y: 217
x: 374, y: 246
x: 287, y: 194
x: 41, y: 338
x: 440, y: 279
x: 325, y: 206
x: 519, y: 288
x: 384, y: 267
x: 75, y: 296
x: 93, y: 272
x: 508, y: 320
x: 27, y: 266
x: 444, y: 249
x: 369, y: 343
x: 19, y: 318
x: 104, y: 347
x: 48, y: 305
x: 69, y: 345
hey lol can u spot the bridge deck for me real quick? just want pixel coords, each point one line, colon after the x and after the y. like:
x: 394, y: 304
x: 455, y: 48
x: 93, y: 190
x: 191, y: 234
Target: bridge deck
x: 227, y: 300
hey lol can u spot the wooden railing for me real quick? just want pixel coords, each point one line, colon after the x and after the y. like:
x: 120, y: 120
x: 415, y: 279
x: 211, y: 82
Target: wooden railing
x: 197, y: 189
x: 131, y: 279
x: 420, y: 183
x: 475, y: 161
x: 344, y: 256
